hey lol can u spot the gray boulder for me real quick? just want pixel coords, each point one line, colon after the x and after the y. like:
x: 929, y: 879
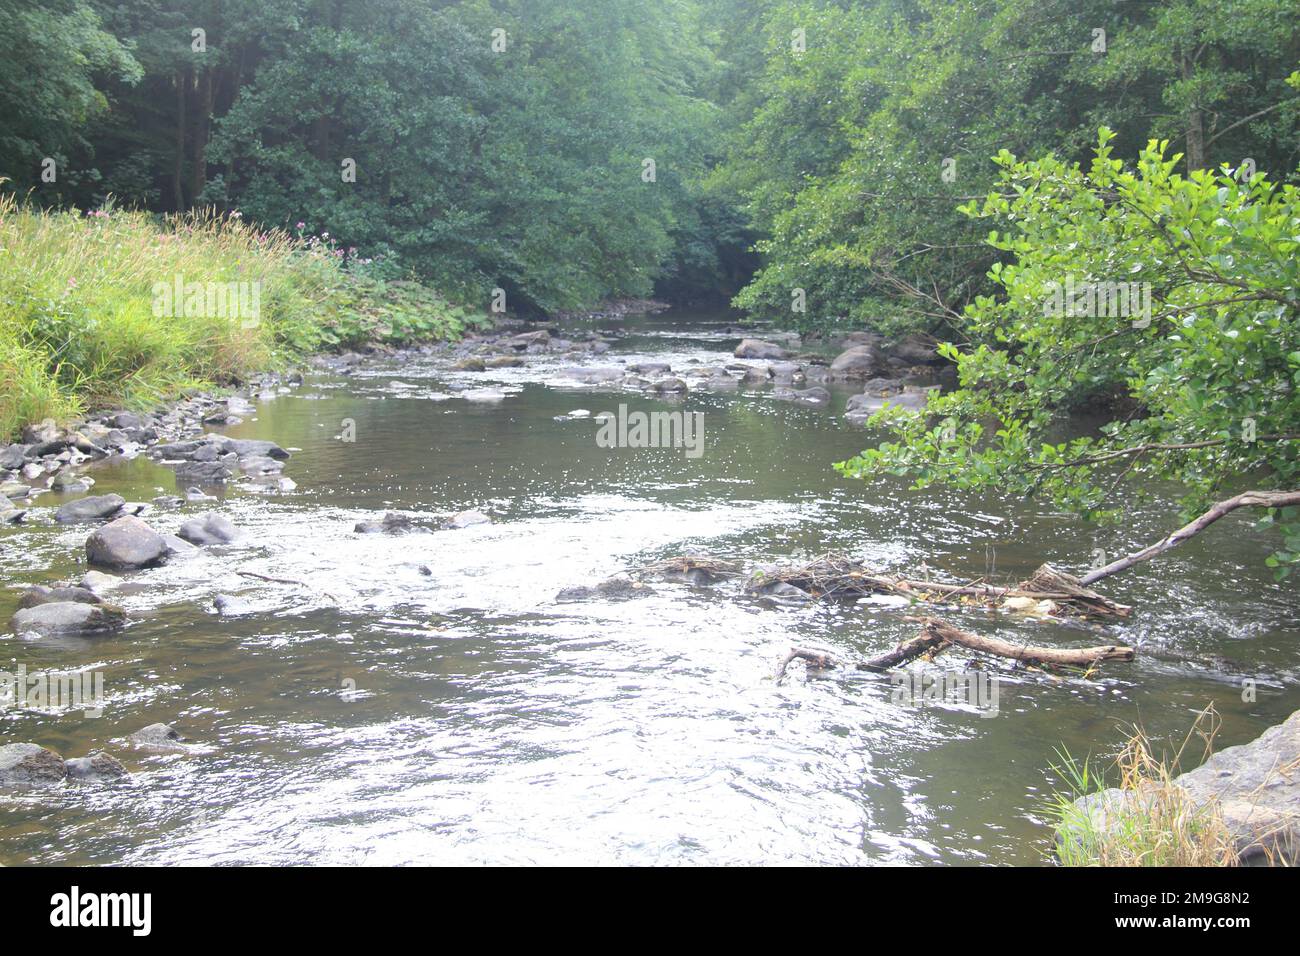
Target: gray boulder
x: 203, y: 472
x: 592, y: 375
x: 23, y: 764
x: 466, y: 519
x: 612, y: 589
x: 858, y: 362
x: 99, y: 767
x: 67, y: 617
x: 125, y: 543
x: 12, y: 457
x: 758, y: 349
x: 89, y: 509
x: 37, y: 595
x: 251, y: 448
x: 208, y: 529
x: 815, y: 397
x: 159, y: 738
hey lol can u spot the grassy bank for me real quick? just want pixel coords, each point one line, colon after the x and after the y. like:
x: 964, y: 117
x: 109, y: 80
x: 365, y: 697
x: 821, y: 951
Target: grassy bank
x: 88, y: 318
x: 1150, y: 820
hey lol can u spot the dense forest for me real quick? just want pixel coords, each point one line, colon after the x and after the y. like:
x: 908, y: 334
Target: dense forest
x: 903, y: 166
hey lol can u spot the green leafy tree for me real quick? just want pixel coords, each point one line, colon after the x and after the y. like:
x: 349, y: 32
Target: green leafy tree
x: 1169, y: 301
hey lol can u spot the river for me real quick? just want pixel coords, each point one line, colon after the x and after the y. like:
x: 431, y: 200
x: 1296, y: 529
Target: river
x: 425, y: 699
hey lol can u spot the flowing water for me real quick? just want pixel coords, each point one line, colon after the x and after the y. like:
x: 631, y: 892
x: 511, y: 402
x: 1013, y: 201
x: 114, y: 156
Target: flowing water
x: 423, y: 698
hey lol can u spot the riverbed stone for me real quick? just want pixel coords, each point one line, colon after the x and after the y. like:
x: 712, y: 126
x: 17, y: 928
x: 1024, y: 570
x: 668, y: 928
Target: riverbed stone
x: 210, y: 528
x: 126, y: 542
x: 593, y: 375
x: 38, y: 594
x: 92, y: 508
x: 98, y: 767
x: 617, y: 588
x: 758, y: 349
x: 97, y: 582
x: 857, y: 362
x: 815, y: 397
x: 466, y: 519
x: 13, y: 456
x: 30, y: 764
x: 160, y: 738
x: 1254, y: 786
x: 203, y: 472
x: 67, y: 617
x: 250, y: 447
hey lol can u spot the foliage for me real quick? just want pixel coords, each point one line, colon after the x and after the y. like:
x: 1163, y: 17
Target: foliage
x: 1197, y: 373
x: 80, y: 325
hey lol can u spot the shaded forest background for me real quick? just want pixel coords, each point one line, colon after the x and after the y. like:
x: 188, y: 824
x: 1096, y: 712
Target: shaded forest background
x: 818, y: 145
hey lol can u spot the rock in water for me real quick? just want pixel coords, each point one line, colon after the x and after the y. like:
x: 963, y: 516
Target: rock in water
x: 67, y: 617
x: 98, y: 767
x: 208, y: 529
x: 89, y: 509
x: 160, y: 738
x: 37, y: 595
x: 30, y: 764
x: 468, y: 518
x: 758, y: 349
x: 859, y: 362
x: 125, y: 543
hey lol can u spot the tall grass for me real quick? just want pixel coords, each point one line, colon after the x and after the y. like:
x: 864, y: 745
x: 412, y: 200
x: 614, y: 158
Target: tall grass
x: 1152, y: 821
x: 78, y: 323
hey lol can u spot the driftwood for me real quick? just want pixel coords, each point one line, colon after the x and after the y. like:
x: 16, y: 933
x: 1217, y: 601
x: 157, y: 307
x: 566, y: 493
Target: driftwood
x: 1048, y: 591
x: 938, y: 635
x: 1247, y: 499
x: 698, y: 569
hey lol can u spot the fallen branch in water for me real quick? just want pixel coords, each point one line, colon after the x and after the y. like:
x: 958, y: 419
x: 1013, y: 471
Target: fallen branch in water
x: 938, y: 635
x: 1048, y: 591
x: 1247, y: 499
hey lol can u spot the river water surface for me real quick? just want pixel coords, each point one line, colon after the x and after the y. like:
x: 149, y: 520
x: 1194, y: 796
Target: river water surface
x: 425, y: 699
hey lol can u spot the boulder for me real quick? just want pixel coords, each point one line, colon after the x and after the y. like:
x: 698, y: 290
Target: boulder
x: 208, y: 529
x: 787, y: 373
x: 471, y: 364
x: 22, y: 764
x: 593, y: 376
x: 96, y: 768
x: 466, y: 519
x: 504, y: 361
x: 858, y: 362
x: 126, y: 542
x: 159, y: 738
x: 37, y: 595
x: 92, y: 508
x: 917, y: 349
x: 617, y: 588
x: 98, y: 581
x: 67, y: 617
x: 1258, y: 797
x: 12, y: 457
x: 203, y: 472
x: 253, y: 448
x: 758, y: 349
x: 815, y: 397
x: 392, y: 522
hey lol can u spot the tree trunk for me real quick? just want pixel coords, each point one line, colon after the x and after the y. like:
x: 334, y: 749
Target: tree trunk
x: 178, y: 169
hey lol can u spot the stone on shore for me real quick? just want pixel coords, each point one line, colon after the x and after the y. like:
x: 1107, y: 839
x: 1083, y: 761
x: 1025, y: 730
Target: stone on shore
x: 1254, y: 787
